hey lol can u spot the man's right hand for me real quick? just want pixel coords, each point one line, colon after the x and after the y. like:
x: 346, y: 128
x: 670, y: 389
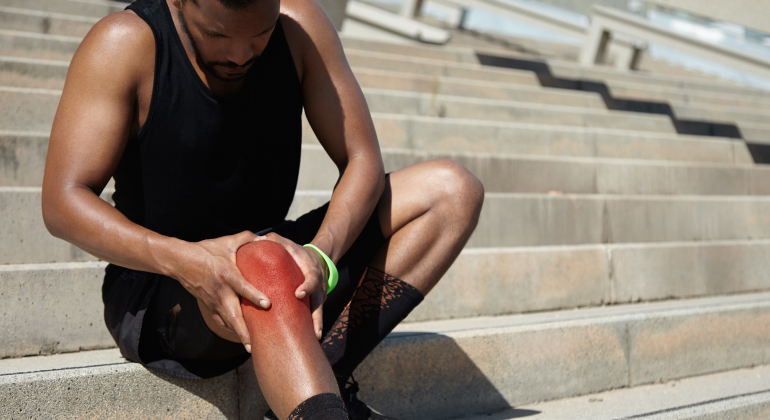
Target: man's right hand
x: 208, y: 271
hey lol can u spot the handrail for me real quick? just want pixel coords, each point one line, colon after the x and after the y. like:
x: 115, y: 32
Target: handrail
x: 527, y: 14
x: 606, y: 21
x: 396, y: 23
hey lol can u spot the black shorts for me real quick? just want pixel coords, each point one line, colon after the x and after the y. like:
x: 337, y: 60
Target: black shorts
x: 156, y: 322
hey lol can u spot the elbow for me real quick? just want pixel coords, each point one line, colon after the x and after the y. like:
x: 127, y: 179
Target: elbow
x: 50, y: 218
x: 52, y: 208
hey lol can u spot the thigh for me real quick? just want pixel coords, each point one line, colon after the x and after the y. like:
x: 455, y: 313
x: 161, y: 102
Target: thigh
x: 176, y: 339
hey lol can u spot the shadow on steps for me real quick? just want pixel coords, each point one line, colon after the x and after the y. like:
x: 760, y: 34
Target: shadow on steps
x: 759, y: 152
x: 410, y: 376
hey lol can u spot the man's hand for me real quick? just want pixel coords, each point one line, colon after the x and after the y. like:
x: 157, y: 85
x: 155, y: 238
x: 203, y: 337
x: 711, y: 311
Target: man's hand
x: 312, y: 266
x: 209, y: 272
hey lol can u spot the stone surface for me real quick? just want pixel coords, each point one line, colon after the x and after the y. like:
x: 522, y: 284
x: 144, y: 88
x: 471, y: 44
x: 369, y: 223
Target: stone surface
x: 28, y: 109
x: 385, y: 101
x: 22, y: 158
x: 681, y: 270
x: 507, y: 219
x: 448, y: 368
x: 499, y: 281
x: 21, y: 19
x: 52, y: 308
x: 110, y: 387
x: 35, y: 45
x: 34, y: 109
x: 454, y: 134
x: 90, y: 8
x: 482, y: 282
x: 738, y: 394
x: 536, y: 219
x: 25, y: 238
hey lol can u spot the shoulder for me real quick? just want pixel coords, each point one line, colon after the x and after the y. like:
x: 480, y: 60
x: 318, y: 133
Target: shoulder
x: 121, y: 44
x: 311, y: 35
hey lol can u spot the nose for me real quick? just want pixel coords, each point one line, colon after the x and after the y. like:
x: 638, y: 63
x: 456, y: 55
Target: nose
x: 240, y: 52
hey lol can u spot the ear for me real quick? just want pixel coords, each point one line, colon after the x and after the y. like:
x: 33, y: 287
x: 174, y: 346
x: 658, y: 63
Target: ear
x: 177, y: 4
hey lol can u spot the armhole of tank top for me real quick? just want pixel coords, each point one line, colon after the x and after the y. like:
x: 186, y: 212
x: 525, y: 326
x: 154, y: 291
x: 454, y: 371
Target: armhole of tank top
x: 155, y: 78
x: 291, y: 56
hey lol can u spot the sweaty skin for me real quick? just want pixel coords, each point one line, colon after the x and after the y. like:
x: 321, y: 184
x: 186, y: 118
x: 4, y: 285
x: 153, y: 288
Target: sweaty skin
x: 285, y: 331
x: 106, y: 99
x: 427, y: 211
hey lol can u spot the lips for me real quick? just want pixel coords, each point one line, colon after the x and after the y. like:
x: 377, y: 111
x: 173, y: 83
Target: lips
x: 234, y: 71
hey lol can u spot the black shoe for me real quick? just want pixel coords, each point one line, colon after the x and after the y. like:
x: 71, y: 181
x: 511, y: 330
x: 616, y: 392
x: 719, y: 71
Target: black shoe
x: 357, y: 409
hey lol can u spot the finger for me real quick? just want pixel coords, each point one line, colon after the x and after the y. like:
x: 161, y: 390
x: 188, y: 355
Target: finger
x: 245, y: 237
x: 243, y: 288
x: 236, y: 321
x: 309, y: 286
x: 316, y: 305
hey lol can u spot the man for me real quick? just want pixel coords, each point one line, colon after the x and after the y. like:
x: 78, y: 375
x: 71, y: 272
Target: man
x: 194, y: 107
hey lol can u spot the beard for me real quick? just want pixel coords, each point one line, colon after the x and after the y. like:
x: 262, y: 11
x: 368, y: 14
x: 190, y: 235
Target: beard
x: 212, y: 66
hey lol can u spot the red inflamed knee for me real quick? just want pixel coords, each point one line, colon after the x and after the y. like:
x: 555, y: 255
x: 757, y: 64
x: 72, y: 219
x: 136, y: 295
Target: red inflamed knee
x: 272, y: 270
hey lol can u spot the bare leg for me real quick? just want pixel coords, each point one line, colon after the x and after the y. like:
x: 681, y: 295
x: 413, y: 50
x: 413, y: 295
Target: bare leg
x: 288, y: 361
x: 427, y: 213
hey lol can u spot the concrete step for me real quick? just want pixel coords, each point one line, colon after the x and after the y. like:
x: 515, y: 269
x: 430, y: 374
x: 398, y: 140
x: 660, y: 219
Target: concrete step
x: 35, y: 45
x: 399, y: 81
x: 57, y: 307
x: 40, y: 73
x: 456, y: 135
x: 420, y: 60
x: 28, y: 109
x: 573, y: 70
x: 619, y: 88
x: 88, y: 8
x: 28, y: 20
x: 557, y: 67
x: 755, y: 132
x: 25, y: 163
x: 538, y: 219
x: 723, y: 114
x: 24, y: 152
x: 444, y: 368
x: 737, y: 394
x: 626, y: 90
x: 19, y: 72
x: 394, y: 61
x: 390, y: 101
x: 101, y: 384
x: 33, y: 72
x: 507, y: 219
x: 460, y: 55
x: 34, y: 109
x: 24, y: 72
x: 540, y: 174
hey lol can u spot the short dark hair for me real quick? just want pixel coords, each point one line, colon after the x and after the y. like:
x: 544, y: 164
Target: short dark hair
x: 231, y: 4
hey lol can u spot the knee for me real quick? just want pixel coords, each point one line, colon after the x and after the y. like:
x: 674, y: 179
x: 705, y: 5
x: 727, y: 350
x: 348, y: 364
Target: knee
x: 459, y: 189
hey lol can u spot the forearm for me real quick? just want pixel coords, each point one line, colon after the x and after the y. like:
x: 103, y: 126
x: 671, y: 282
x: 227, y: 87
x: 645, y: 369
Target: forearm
x: 79, y: 216
x: 352, y: 203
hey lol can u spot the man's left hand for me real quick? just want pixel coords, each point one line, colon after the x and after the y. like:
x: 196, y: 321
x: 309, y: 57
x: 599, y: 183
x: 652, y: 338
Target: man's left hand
x: 312, y: 266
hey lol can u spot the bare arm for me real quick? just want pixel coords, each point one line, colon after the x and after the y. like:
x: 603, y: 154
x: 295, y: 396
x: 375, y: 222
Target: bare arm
x: 336, y: 109
x: 99, y: 110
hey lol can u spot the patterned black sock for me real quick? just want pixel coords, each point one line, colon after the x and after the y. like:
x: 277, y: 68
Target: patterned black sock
x: 320, y: 407
x: 378, y: 305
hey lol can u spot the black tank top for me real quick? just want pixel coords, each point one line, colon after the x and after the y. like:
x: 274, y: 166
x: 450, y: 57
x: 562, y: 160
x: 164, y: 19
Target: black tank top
x: 201, y: 166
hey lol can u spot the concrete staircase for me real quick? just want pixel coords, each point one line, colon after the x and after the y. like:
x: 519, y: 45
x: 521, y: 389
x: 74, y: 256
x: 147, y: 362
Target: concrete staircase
x: 615, y: 259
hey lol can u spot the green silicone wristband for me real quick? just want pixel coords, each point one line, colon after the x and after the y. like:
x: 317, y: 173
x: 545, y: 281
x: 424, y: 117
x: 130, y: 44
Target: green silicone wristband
x: 331, y: 282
